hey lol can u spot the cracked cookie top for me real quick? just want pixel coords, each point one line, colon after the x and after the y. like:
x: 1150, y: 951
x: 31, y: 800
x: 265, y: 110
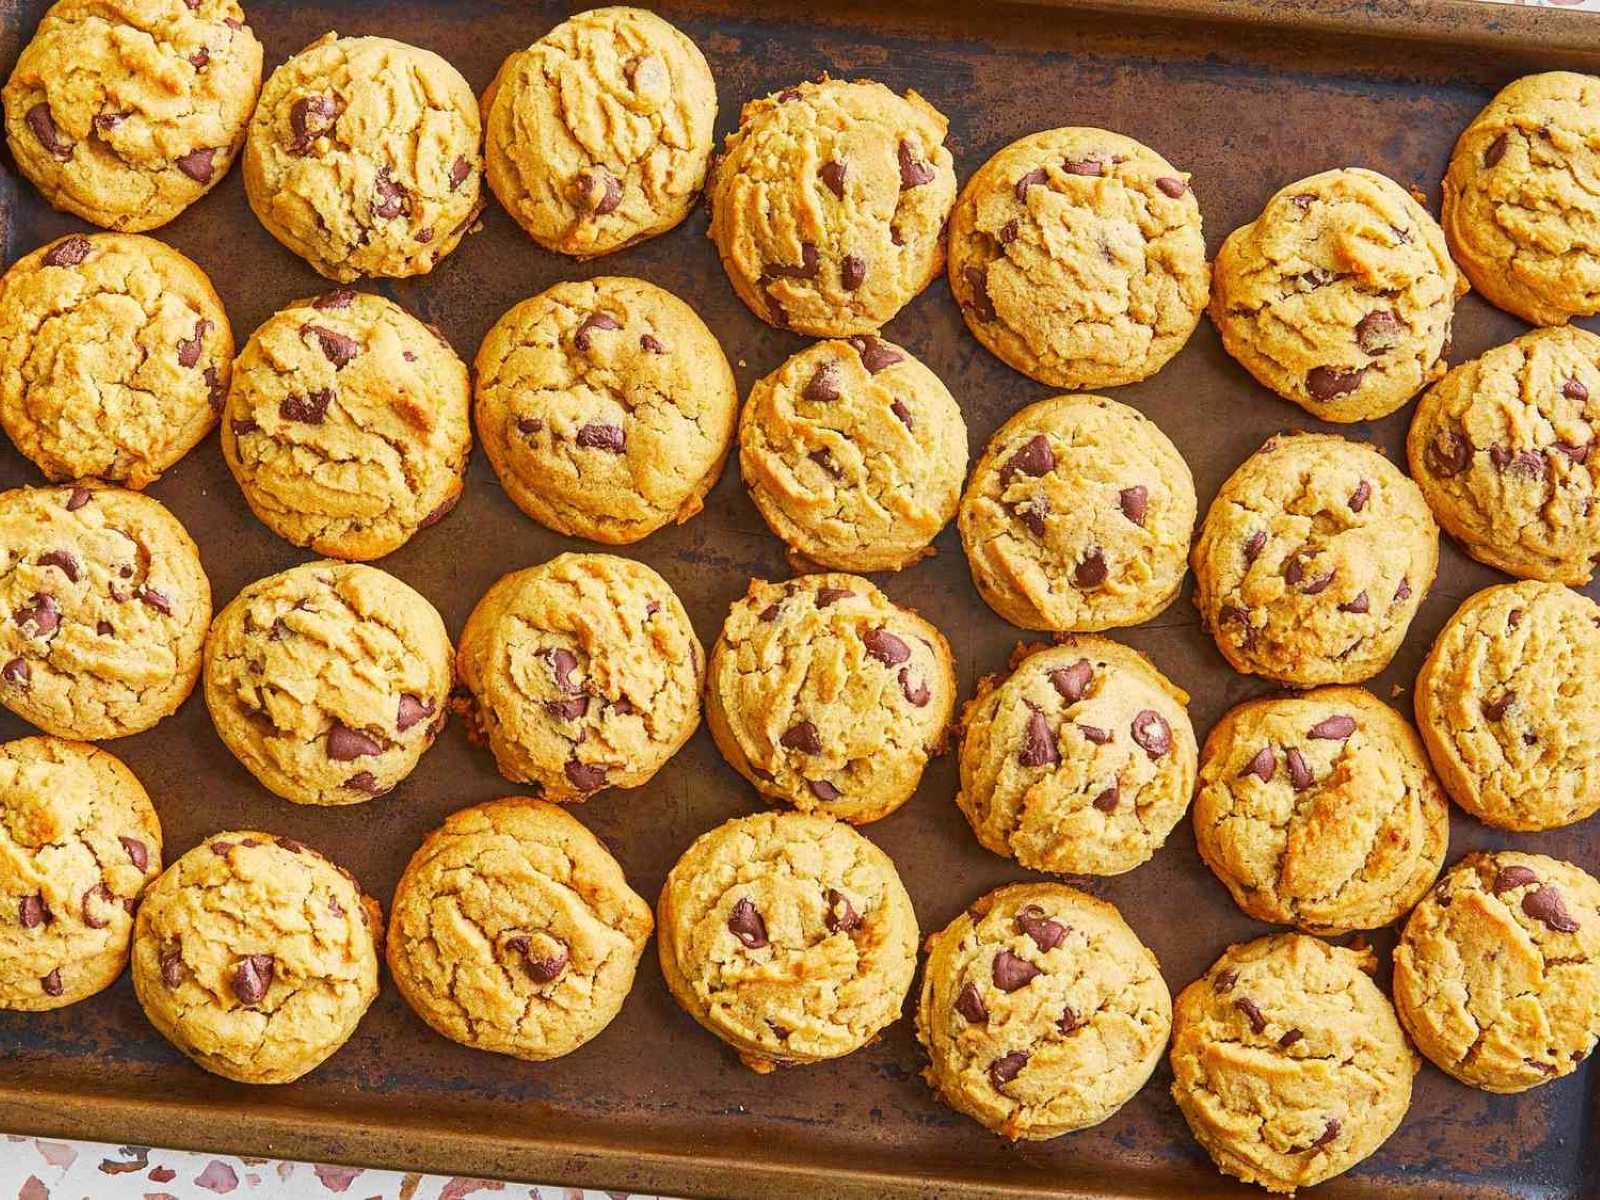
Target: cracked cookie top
x: 606, y: 408
x: 1320, y: 810
x: 1041, y: 1011
x: 125, y: 112
x: 1313, y: 559
x: 584, y: 673
x: 1288, y: 1062
x: 328, y: 681
x: 1077, y: 257
x: 1080, y: 761
x: 103, y: 610
x: 79, y: 839
x: 1520, y: 206
x: 256, y: 956
x: 514, y: 930
x: 854, y: 452
x: 347, y: 424
x: 599, y: 134
x: 789, y: 936
x: 1339, y: 296
x: 1508, y: 701
x: 828, y: 697
x: 828, y: 205
x: 1497, y: 975
x: 115, y: 354
x: 1501, y: 449
x: 1078, y: 517
x: 363, y: 157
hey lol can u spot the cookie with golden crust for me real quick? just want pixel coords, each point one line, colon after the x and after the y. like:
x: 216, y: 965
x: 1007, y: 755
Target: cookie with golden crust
x: 583, y: 673
x: 1313, y: 559
x: 789, y: 936
x: 1508, y: 701
x: 363, y: 157
x: 79, y: 840
x: 1518, y: 215
x: 513, y: 930
x: 115, y: 354
x: 1320, y: 810
x: 103, y: 610
x: 1079, y: 761
x: 598, y: 135
x: 1497, y: 975
x: 347, y: 424
x: 256, y: 956
x: 1339, y: 296
x: 328, y: 681
x: 828, y: 697
x: 1078, y: 517
x: 1288, y: 1062
x: 828, y: 205
x: 126, y: 112
x: 606, y: 407
x: 854, y: 452
x: 1501, y: 447
x: 1041, y: 1011
x: 1077, y: 257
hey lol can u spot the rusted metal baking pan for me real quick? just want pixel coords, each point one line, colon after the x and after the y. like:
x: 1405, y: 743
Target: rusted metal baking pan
x: 1247, y: 97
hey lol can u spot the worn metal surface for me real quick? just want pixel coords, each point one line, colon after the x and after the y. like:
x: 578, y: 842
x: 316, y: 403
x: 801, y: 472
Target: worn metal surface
x: 655, y: 1103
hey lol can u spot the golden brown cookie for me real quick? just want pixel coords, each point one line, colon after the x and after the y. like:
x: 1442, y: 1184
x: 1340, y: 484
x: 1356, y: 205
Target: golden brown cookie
x: 828, y: 205
x: 599, y: 134
x: 1314, y: 557
x: 1339, y: 296
x: 1077, y: 257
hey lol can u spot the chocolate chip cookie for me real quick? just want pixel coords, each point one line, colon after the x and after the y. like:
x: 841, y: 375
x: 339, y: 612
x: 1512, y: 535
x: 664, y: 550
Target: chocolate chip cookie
x: 789, y: 936
x: 1077, y: 257
x: 1316, y: 554
x: 347, y: 424
x: 854, y: 452
x: 1079, y: 761
x: 78, y: 842
x: 1078, y: 517
x: 599, y: 134
x: 1041, y: 1011
x: 256, y: 956
x: 1497, y: 976
x: 828, y: 205
x: 103, y: 610
x: 1339, y: 296
x: 126, y: 114
x: 582, y: 673
x: 1508, y: 701
x: 828, y: 697
x: 1320, y: 810
x: 513, y: 930
x: 1288, y: 1062
x: 1501, y: 449
x: 363, y: 157
x: 606, y: 407
x: 115, y: 355
x: 1517, y: 210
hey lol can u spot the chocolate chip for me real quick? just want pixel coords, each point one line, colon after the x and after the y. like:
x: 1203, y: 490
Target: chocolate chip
x: 365, y: 781
x: 78, y: 498
x: 1254, y: 544
x: 1403, y: 592
x: 151, y: 598
x: 840, y: 915
x: 1032, y: 179
x: 529, y: 425
x: 970, y: 1004
x: 252, y: 977
x: 1496, y: 709
x: 917, y: 696
x: 198, y: 164
x: 1294, y: 571
x: 1009, y: 232
x: 309, y: 409
x: 829, y: 595
x: 875, y: 354
x: 1450, y: 455
x: 412, y: 709
x: 68, y: 252
x: 1172, y: 186
x: 1012, y: 973
x: 172, y: 968
x: 542, y: 968
x: 1513, y: 618
x: 745, y: 923
x: 1300, y: 776
x: 823, y: 790
x: 41, y: 613
x: 1134, y: 501
x: 977, y: 281
x: 852, y: 272
x: 1046, y: 934
x: 338, y: 298
x: 1290, y: 1038
x: 768, y: 614
x: 44, y: 128
x: 64, y: 560
x: 1579, y: 454
x: 389, y: 198
x: 1264, y: 765
x: 1092, y: 167
x: 1325, y: 383
x: 336, y: 347
x: 1358, y: 604
x: 98, y: 892
x: 1231, y: 615
x: 884, y: 646
x: 1334, y: 729
x: 1073, y: 682
x: 1359, y: 497
x: 1032, y: 512
x: 1007, y: 1067
x: 1546, y: 904
x: 599, y: 191
x: 808, y: 268
x: 32, y: 912
x: 1152, y: 733
x: 1039, y: 744
x: 1495, y: 152
x: 1573, y: 390
x: 824, y: 458
x: 439, y: 511
x: 459, y: 170
x: 1106, y: 801
x: 1508, y: 878
x: 1091, y: 572
x: 899, y: 409
x: 1329, y: 1132
x: 1224, y: 981
x: 51, y: 983
x: 346, y: 744
x: 1035, y: 459
x: 803, y: 737
x: 220, y: 848
x: 602, y: 437
x: 189, y: 349
x: 595, y: 320
x: 1070, y: 1021
x: 1377, y: 331
x: 570, y: 709
x: 309, y: 119
x: 832, y: 174
x: 824, y: 385
x: 1315, y: 587
x: 913, y: 171
x: 650, y: 344
x: 1093, y: 733
x: 138, y: 853
x: 586, y: 777
x: 1252, y: 1012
